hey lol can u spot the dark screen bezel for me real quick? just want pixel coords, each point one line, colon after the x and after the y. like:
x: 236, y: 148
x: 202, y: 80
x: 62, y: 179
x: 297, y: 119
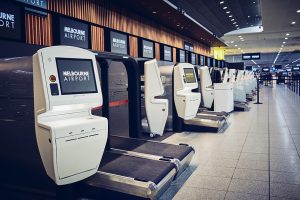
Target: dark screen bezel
x: 72, y: 93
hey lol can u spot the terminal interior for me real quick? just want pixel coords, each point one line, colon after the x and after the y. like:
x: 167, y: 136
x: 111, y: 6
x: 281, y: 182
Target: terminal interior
x: 136, y: 99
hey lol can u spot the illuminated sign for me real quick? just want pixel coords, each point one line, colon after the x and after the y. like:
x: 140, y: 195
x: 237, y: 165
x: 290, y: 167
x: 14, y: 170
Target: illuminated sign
x: 10, y: 21
x: 166, y: 53
x: 148, y: 49
x: 36, y: 3
x: 73, y: 33
x: 181, y: 56
x: 118, y: 43
x: 188, y: 46
x: 193, y: 58
x: 251, y: 56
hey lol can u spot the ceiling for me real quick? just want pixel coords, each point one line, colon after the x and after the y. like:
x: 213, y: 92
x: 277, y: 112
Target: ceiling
x: 286, y: 59
x: 223, y: 16
x: 164, y: 13
x: 277, y: 16
x: 245, y: 26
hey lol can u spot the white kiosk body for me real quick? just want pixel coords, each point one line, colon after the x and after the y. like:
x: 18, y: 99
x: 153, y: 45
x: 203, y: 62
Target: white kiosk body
x: 186, y: 101
x: 219, y: 93
x: 156, y: 109
x: 239, y: 93
x: 70, y: 139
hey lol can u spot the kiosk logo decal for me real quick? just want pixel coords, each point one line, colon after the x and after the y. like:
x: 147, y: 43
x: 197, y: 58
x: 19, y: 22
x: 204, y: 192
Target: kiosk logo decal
x: 7, y: 20
x: 76, y: 76
x: 118, y: 43
x: 75, y: 34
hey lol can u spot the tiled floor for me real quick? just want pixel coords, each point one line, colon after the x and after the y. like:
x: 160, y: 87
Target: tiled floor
x: 257, y: 157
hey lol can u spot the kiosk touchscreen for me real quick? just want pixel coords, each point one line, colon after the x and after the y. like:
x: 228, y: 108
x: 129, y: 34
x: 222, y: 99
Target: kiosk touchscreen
x: 186, y: 101
x: 70, y: 139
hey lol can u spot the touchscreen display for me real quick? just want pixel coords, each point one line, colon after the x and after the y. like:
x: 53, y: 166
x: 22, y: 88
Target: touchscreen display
x: 189, y: 75
x: 76, y: 76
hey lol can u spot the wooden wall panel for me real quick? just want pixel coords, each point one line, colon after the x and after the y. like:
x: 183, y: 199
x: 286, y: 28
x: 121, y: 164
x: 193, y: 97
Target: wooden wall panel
x: 157, y: 51
x: 38, y: 30
x: 97, y: 38
x: 133, y: 46
x: 174, y: 55
x: 103, y: 13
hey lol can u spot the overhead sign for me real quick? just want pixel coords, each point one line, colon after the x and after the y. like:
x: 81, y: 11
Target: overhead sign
x: 201, y: 60
x: 148, y: 49
x: 188, y: 46
x: 118, y: 42
x: 36, y: 3
x: 266, y: 69
x: 73, y: 33
x: 10, y: 21
x: 208, y: 61
x: 251, y: 56
x: 193, y: 58
x: 181, y: 56
x: 167, y: 53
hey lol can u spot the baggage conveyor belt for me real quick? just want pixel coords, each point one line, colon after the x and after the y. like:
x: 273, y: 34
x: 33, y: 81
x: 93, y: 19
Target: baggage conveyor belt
x: 212, y: 113
x: 216, y: 122
x: 181, y: 155
x: 133, y: 175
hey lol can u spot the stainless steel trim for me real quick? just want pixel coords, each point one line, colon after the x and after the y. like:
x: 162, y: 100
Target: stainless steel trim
x: 129, y: 185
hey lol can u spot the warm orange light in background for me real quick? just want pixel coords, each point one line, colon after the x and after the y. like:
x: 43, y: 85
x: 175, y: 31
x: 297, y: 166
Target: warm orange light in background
x: 219, y: 53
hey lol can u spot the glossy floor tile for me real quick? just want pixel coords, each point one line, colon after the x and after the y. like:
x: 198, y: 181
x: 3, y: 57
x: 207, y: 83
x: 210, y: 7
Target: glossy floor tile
x: 256, y: 157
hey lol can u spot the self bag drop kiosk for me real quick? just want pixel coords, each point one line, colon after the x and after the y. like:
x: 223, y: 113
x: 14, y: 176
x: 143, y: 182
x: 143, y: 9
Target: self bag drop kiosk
x: 186, y: 101
x: 70, y: 139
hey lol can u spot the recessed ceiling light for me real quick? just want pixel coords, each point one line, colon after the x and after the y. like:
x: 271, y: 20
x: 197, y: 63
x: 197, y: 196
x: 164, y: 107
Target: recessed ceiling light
x: 237, y: 28
x: 178, y: 25
x: 239, y: 36
x: 286, y: 38
x: 232, y: 19
x: 293, y: 23
x: 287, y: 34
x: 298, y: 11
x: 232, y: 42
x: 283, y: 42
x: 248, y: 16
x: 228, y: 12
x: 234, y: 22
x: 239, y: 48
x: 236, y: 25
x: 282, y: 45
x: 253, y: 1
x: 230, y: 16
x: 236, y: 45
x: 221, y: 2
x: 154, y: 12
x: 225, y: 7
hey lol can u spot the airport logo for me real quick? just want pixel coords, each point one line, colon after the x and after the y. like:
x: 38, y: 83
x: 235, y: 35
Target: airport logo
x: 36, y: 3
x: 167, y: 54
x: 74, y: 34
x: 118, y: 43
x: 148, y: 49
x: 7, y: 20
x: 76, y: 76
